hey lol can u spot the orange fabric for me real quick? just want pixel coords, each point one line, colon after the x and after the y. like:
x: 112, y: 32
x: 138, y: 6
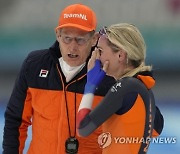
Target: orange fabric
x: 147, y: 80
x: 130, y: 124
x: 26, y: 121
x: 154, y: 133
x: 78, y: 16
x: 49, y: 122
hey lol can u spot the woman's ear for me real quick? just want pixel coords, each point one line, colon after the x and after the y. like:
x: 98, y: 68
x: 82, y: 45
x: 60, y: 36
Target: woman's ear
x: 122, y: 56
x: 95, y: 39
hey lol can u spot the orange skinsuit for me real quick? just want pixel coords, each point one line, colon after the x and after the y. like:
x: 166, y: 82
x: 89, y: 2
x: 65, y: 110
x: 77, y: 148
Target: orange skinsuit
x: 39, y: 100
x: 127, y: 111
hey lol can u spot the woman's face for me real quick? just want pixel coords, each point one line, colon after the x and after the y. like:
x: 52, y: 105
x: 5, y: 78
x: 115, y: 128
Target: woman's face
x: 107, y: 54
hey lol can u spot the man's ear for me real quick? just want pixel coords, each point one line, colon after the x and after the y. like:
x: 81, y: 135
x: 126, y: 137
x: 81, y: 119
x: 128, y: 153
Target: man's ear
x: 95, y: 39
x: 57, y: 32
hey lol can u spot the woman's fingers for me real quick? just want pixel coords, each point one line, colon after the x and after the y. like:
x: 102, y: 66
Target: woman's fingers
x: 95, y: 55
x: 105, y: 66
x: 92, y: 61
x: 90, y: 64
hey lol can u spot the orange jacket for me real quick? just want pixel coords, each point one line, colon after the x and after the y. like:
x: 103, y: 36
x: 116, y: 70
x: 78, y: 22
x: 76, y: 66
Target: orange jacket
x: 39, y: 99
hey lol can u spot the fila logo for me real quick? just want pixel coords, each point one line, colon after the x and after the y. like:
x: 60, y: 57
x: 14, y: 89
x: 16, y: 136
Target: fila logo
x: 43, y: 73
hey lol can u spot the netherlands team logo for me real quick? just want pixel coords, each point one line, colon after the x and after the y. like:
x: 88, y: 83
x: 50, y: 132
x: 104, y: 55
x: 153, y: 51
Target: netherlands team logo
x: 115, y: 87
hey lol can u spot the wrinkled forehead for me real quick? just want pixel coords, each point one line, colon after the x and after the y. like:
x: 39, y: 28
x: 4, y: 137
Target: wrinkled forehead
x: 73, y: 31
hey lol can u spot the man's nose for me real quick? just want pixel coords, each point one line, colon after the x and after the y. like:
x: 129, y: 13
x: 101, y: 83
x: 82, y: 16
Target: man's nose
x: 74, y: 45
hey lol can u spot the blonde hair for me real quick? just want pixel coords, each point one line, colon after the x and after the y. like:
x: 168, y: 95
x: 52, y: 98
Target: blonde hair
x: 128, y: 38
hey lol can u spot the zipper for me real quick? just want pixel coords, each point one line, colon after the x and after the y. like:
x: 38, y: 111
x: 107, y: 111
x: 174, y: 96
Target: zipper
x: 66, y: 104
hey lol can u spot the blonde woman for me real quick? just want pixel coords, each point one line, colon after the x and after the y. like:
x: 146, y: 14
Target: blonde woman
x: 128, y: 112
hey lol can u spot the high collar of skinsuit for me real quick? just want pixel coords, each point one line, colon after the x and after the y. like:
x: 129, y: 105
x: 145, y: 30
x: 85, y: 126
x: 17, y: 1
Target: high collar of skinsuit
x: 147, y: 78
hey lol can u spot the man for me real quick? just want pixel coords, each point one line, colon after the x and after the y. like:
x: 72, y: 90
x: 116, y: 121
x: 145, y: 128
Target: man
x: 49, y: 88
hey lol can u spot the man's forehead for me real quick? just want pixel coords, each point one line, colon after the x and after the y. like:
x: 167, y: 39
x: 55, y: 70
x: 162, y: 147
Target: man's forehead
x: 72, y: 30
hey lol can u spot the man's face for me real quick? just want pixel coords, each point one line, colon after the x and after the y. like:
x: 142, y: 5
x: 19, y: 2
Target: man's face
x: 75, y: 45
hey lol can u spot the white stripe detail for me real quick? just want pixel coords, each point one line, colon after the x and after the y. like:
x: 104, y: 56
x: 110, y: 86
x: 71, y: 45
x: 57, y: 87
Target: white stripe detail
x: 86, y: 101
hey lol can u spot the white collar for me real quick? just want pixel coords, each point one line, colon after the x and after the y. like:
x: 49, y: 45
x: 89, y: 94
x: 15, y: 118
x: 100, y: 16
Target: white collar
x: 69, y: 71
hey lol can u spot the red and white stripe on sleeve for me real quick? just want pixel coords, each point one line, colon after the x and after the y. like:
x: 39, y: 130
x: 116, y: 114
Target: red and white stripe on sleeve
x: 85, y: 107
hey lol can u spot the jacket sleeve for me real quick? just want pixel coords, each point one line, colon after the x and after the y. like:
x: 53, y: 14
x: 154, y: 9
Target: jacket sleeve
x: 158, y: 123
x: 17, y: 115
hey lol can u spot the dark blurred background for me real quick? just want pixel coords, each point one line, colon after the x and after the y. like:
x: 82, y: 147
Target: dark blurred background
x: 29, y: 25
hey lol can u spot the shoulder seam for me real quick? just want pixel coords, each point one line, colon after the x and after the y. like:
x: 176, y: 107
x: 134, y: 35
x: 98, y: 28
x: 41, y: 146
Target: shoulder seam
x: 34, y: 55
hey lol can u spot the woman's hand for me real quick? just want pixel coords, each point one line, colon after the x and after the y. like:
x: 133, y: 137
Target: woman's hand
x: 95, y: 56
x: 95, y: 74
